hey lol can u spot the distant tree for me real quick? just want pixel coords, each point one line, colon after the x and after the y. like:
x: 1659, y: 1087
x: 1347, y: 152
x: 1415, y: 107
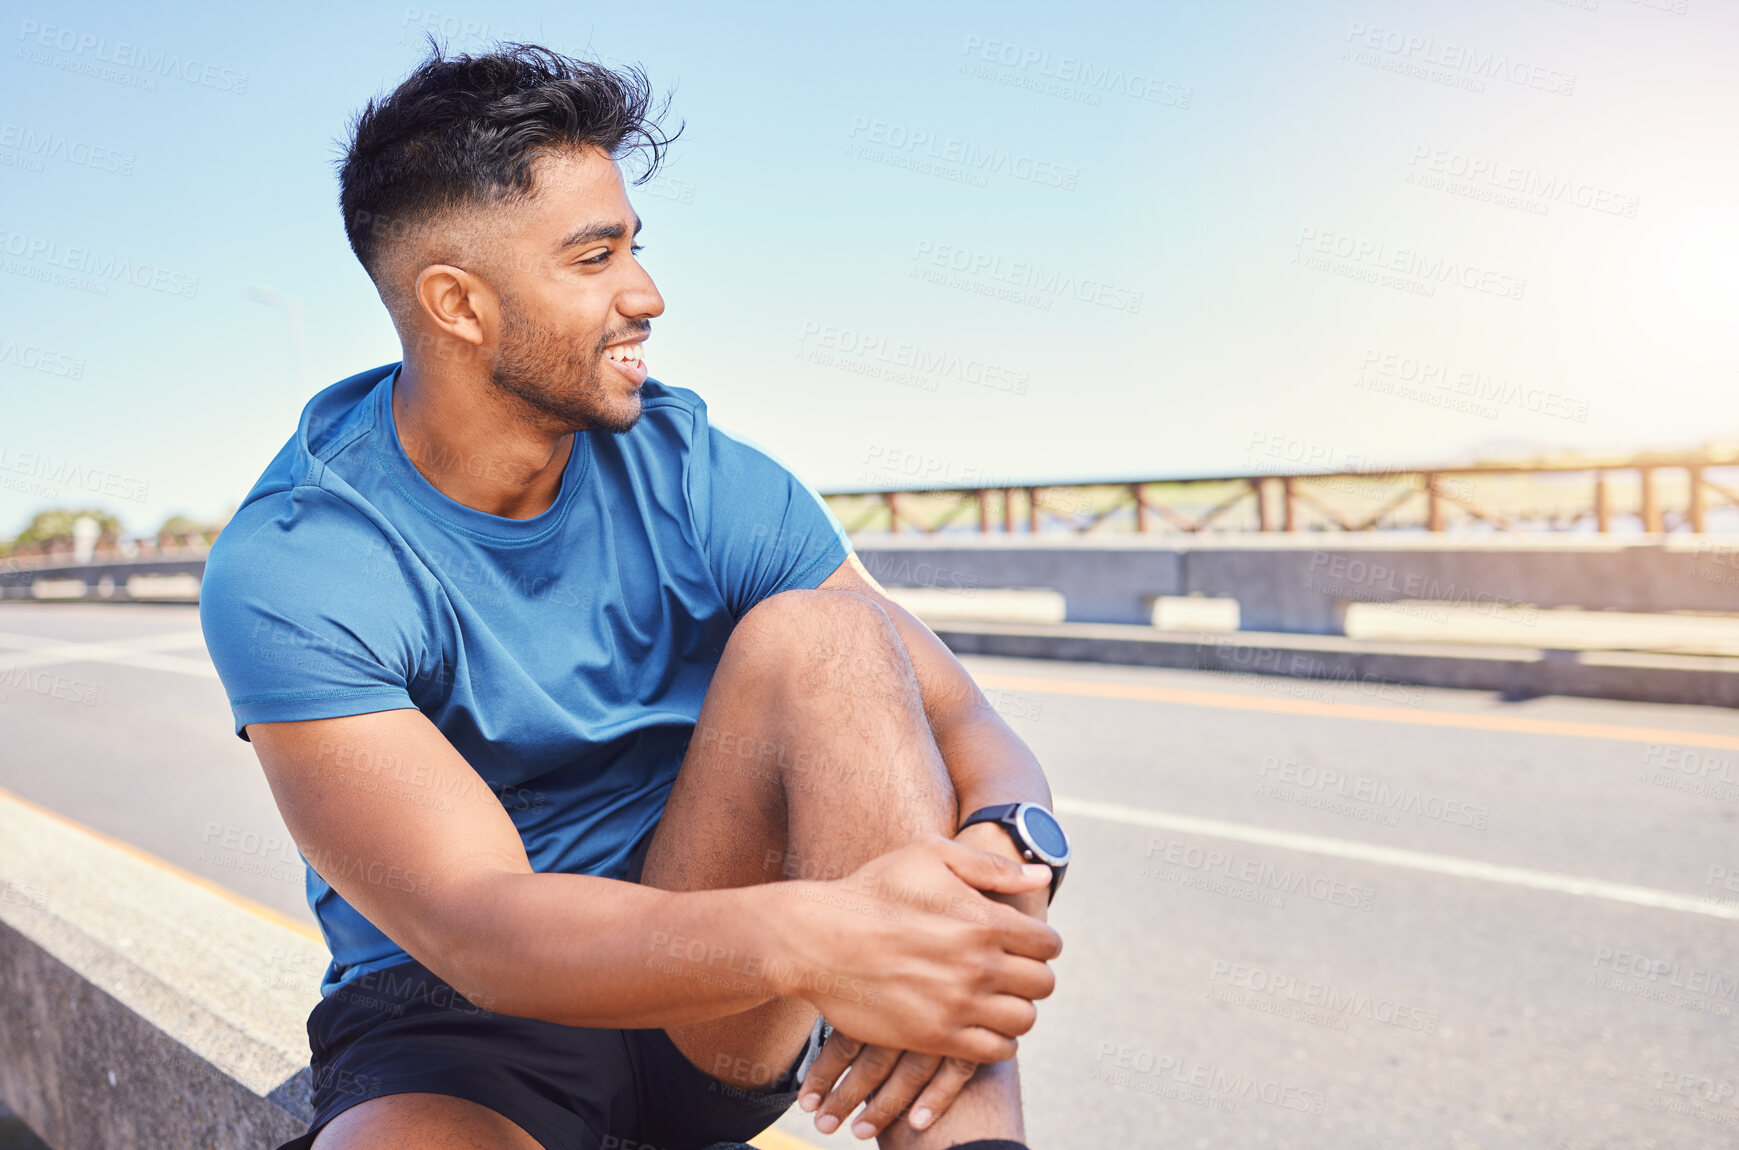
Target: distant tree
x: 55, y: 526
x: 179, y: 525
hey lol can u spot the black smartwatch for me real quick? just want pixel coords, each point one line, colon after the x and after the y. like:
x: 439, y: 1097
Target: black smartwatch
x: 1035, y: 831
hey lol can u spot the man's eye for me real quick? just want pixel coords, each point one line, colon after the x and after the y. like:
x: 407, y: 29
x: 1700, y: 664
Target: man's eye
x: 604, y: 256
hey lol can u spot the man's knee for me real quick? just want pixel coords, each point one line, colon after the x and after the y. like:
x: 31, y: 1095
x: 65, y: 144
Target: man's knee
x: 844, y: 631
x: 838, y: 649
x: 821, y: 609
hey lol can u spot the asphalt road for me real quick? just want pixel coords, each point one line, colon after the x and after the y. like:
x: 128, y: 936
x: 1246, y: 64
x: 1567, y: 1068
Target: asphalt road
x: 1301, y: 915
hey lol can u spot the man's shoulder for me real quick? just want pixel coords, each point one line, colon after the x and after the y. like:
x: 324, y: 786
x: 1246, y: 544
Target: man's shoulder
x: 308, y: 530
x: 666, y: 402
x: 672, y: 436
x: 676, y: 413
x: 302, y: 561
x: 296, y: 516
x: 340, y: 412
x: 335, y: 417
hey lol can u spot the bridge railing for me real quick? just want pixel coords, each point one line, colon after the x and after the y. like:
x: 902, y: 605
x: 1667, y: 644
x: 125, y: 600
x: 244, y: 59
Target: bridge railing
x: 1651, y: 494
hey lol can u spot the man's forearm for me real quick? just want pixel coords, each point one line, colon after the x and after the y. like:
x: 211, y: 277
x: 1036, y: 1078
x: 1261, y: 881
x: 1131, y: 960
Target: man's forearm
x: 989, y: 765
x: 908, y: 973
x: 588, y: 951
x: 987, y: 761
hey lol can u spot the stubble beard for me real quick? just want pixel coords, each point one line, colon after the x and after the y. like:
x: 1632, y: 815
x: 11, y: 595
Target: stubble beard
x: 540, y: 372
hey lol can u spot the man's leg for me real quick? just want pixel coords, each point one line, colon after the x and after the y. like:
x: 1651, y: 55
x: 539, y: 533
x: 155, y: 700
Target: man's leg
x: 812, y: 755
x: 427, y: 1121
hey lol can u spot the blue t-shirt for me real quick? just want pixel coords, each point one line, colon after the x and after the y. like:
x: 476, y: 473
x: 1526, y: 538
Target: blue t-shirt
x: 565, y: 656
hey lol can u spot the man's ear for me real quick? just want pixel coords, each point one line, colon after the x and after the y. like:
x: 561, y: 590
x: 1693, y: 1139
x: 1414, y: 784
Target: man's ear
x: 458, y: 304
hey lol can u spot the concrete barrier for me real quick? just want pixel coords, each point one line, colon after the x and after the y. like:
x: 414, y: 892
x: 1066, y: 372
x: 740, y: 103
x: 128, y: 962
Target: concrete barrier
x: 153, y: 580
x: 144, y: 1008
x: 141, y: 1007
x: 1302, y: 585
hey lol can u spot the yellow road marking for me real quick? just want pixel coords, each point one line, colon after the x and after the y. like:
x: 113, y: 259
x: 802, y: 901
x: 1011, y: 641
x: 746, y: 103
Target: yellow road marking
x: 1225, y: 700
x: 275, y: 916
x: 779, y: 1140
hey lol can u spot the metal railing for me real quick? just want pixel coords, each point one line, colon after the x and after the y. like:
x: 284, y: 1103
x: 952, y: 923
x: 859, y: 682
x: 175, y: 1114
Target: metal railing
x: 1651, y: 494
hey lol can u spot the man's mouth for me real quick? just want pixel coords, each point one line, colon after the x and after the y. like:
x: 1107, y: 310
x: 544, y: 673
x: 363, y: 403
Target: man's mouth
x: 627, y: 353
x: 630, y: 358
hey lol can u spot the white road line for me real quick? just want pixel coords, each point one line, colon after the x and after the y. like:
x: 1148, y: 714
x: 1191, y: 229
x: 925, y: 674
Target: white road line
x: 143, y: 651
x: 1395, y: 856
x: 163, y: 641
x: 199, y: 668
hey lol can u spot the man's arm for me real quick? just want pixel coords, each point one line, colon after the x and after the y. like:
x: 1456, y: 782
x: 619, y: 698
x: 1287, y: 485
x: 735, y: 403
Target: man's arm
x: 452, y: 885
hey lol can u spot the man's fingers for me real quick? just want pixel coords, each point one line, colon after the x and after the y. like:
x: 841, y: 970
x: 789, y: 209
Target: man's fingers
x: 893, y: 1096
x: 985, y: 871
x: 868, y: 1070
x: 1007, y: 1014
x: 836, y: 1054
x: 978, y: 1044
x: 950, y: 1078
x: 1023, y: 935
x: 1024, y: 977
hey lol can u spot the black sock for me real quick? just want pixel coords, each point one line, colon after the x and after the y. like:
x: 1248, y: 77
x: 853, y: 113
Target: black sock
x: 990, y: 1144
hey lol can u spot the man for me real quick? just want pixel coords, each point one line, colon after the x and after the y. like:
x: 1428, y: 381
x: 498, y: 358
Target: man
x: 613, y: 767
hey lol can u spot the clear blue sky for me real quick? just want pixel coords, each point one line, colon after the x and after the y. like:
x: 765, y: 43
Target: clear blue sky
x: 1227, y: 236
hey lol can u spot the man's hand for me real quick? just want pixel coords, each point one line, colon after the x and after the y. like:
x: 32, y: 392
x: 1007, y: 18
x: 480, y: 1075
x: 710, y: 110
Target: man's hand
x: 900, y: 1081
x: 996, y: 840
x: 895, y: 1082
x: 906, y: 952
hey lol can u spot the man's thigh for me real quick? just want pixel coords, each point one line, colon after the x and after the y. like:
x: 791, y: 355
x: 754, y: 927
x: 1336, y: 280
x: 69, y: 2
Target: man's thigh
x: 427, y: 1121
x: 812, y: 755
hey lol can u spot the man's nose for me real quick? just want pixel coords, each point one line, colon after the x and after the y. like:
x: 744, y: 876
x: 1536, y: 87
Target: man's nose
x: 641, y: 300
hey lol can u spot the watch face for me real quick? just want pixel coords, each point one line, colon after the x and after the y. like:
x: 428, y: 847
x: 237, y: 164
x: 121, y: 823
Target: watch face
x: 1046, y: 833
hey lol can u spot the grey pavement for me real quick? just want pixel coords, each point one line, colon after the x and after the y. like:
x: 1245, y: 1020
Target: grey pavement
x: 1218, y: 990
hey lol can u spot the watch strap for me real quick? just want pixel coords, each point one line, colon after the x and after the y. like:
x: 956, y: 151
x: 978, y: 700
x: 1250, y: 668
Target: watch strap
x: 996, y: 814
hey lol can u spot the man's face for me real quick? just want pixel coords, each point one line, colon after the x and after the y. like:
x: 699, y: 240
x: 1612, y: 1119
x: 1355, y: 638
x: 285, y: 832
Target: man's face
x: 576, y: 306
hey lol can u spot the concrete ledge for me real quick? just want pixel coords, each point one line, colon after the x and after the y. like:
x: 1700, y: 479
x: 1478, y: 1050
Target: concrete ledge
x: 1515, y: 671
x: 139, y: 1006
x: 144, y: 580
x: 1303, y: 584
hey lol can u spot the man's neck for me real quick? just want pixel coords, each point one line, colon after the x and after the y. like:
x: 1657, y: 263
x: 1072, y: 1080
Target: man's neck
x: 474, y: 448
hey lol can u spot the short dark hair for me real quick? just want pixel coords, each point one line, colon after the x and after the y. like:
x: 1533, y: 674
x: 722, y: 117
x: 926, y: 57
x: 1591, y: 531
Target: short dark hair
x: 463, y: 130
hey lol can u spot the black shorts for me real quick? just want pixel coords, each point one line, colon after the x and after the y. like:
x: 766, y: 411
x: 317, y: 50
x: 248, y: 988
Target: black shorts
x: 402, y: 1030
